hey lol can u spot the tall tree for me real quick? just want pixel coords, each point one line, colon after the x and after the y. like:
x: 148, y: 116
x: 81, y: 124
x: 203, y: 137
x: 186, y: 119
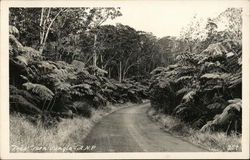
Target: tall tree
x: 41, y: 23
x: 47, y: 19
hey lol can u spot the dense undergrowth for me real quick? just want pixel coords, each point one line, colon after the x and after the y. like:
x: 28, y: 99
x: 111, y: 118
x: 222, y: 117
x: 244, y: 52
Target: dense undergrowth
x: 208, y: 140
x: 199, y: 96
x: 49, y: 90
x: 203, y: 88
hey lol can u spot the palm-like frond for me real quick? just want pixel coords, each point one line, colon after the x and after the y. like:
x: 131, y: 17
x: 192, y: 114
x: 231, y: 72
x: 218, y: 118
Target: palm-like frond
x: 231, y: 113
x: 20, y: 104
x: 40, y: 90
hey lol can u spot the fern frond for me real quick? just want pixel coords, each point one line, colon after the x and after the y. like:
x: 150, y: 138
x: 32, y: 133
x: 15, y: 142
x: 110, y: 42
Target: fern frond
x: 234, y: 80
x: 84, y: 89
x: 210, y: 76
x: 85, y: 86
x: 158, y: 70
x: 39, y: 89
x: 230, y: 113
x: 31, y: 53
x: 215, y: 49
x: 235, y: 101
x: 183, y: 78
x: 189, y: 96
x: 22, y: 60
x: 62, y: 86
x: 97, y: 71
x: 164, y: 83
x: 32, y: 98
x: 215, y: 76
x: 183, y: 91
x: 240, y: 60
x: 20, y: 104
x: 13, y: 30
x: 216, y: 106
x: 15, y: 44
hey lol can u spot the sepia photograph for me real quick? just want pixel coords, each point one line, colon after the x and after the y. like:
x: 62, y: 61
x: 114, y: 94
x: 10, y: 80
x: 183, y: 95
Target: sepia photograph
x: 119, y: 79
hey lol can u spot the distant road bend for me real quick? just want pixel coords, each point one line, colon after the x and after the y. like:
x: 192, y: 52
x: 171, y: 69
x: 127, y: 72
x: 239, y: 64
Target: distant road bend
x: 131, y: 130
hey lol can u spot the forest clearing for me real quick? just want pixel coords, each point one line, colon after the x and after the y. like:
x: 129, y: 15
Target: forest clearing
x: 75, y: 80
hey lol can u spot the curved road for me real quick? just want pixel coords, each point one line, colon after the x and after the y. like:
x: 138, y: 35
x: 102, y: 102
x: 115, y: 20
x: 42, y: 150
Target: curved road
x: 130, y: 130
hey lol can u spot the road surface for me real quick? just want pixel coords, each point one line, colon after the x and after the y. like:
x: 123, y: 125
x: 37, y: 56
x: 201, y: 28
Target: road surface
x: 131, y: 130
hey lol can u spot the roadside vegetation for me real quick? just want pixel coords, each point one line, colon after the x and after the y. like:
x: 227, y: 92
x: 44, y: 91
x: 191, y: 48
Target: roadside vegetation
x: 203, y: 88
x: 212, y: 141
x: 67, y: 136
x: 56, y: 92
x: 68, y: 69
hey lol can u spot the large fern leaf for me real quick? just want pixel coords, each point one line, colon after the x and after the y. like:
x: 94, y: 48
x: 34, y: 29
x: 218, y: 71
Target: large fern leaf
x: 183, y: 79
x: 40, y: 90
x: 13, y: 30
x: 30, y: 97
x: 22, y: 60
x: 15, y: 44
x: 62, y: 86
x: 215, y: 49
x: 82, y: 89
x: 20, y: 104
x: 231, y: 113
x: 189, y: 96
x: 158, y: 70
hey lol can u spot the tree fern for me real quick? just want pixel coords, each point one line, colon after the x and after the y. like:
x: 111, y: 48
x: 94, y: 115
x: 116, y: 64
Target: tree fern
x: 82, y: 89
x: 183, y: 79
x: 20, y: 104
x: 158, y: 70
x: 30, y: 97
x: 231, y: 113
x: 210, y: 76
x: 22, y: 60
x: 62, y: 86
x: 40, y: 90
x: 215, y: 49
x: 189, y: 96
x: 16, y: 45
x: 13, y: 30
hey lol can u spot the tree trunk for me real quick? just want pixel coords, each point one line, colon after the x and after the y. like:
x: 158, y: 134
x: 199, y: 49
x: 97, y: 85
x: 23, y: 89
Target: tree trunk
x: 94, y: 52
x: 109, y: 73
x: 229, y: 128
x: 44, y: 36
x: 125, y: 71
x: 101, y: 61
x: 41, y: 23
x: 120, y: 71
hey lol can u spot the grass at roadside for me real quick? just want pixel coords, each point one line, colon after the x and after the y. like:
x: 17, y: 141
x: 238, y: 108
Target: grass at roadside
x: 66, y: 137
x: 219, y: 141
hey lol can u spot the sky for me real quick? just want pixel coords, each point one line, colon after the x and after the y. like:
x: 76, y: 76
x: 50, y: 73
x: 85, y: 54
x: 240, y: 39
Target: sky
x: 166, y: 18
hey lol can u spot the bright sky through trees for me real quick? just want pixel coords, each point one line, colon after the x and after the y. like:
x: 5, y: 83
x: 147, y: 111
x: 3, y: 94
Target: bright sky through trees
x: 164, y: 18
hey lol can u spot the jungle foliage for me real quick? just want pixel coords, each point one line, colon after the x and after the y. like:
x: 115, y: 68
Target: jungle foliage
x: 65, y: 61
x: 68, y: 34
x: 50, y: 60
x: 203, y: 87
x: 48, y: 88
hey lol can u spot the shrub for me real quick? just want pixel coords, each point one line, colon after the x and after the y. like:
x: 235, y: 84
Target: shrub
x: 200, y: 86
x: 82, y: 108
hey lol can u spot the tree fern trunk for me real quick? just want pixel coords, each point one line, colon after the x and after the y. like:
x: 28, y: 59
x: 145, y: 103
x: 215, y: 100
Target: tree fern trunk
x: 228, y: 128
x: 120, y: 71
x: 94, y: 51
x: 109, y: 73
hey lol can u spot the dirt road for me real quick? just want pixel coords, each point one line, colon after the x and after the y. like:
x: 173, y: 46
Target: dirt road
x: 131, y: 130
